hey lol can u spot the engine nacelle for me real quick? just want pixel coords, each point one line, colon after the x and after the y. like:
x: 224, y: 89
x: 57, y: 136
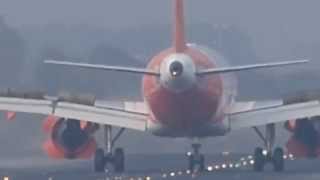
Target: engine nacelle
x: 305, y: 139
x: 69, y: 139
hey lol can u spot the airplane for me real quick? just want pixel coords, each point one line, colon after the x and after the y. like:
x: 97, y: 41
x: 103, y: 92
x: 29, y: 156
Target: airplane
x: 189, y: 91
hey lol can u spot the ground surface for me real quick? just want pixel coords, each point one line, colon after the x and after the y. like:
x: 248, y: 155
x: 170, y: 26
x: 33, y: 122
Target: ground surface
x: 155, y: 167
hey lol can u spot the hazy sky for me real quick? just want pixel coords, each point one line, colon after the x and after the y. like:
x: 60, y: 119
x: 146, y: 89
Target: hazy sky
x: 272, y: 23
x: 115, y: 13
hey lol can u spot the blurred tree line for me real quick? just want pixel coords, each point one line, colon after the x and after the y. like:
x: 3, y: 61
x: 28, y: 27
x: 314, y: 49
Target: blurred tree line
x: 58, y: 79
x: 12, y: 55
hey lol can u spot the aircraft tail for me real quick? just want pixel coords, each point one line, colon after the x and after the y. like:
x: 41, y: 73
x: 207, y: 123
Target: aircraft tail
x: 179, y: 41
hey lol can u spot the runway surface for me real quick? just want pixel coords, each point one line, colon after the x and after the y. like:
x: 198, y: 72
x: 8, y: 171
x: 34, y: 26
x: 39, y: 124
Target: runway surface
x: 168, y: 166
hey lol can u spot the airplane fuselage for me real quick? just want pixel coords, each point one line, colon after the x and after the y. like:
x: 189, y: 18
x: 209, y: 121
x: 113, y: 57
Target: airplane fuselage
x: 183, y: 104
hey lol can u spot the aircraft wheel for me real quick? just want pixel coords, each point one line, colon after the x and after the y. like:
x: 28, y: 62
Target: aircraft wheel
x: 259, y: 160
x: 191, y: 162
x: 99, y: 161
x: 278, y: 161
x: 196, y: 162
x: 201, y: 163
x: 119, y: 160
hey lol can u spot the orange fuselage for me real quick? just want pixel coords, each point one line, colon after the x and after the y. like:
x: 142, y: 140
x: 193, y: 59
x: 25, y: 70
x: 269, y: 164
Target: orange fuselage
x: 195, y: 105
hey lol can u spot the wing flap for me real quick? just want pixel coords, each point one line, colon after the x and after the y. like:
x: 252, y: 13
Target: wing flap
x: 126, y: 106
x: 101, y: 115
x: 274, y: 114
x: 26, y: 105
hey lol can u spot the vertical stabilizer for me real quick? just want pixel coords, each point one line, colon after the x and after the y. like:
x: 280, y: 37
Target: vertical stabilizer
x: 179, y: 41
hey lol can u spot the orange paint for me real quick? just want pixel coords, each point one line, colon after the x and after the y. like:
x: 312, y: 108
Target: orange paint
x: 175, y: 109
x: 83, y: 124
x: 296, y: 148
x: 49, y: 123
x: 179, y: 42
x: 300, y: 150
x: 52, y: 150
x: 10, y: 115
x: 55, y: 151
x: 290, y: 125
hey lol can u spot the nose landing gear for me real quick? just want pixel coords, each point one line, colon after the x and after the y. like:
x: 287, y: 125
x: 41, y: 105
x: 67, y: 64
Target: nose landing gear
x: 196, y: 160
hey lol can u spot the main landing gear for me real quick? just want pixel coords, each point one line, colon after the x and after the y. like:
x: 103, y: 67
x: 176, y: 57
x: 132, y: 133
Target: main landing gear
x: 195, y: 159
x: 274, y: 156
x: 107, y: 159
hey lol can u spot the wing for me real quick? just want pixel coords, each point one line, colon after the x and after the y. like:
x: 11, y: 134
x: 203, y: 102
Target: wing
x: 252, y: 114
x: 131, y: 115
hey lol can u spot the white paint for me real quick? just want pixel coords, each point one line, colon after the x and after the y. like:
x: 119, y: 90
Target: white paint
x: 182, y: 82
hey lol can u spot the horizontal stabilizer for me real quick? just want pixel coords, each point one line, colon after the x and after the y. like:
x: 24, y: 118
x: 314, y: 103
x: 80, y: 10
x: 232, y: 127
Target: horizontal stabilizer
x: 248, y: 67
x: 104, y: 67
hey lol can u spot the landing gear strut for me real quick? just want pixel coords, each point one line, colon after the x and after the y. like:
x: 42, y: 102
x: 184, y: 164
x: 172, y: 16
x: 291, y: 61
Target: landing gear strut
x: 195, y: 159
x: 109, y: 159
x: 274, y: 156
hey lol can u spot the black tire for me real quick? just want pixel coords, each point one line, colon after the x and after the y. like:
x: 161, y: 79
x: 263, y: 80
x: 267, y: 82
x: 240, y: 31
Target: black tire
x: 99, y: 161
x: 278, y: 161
x: 202, y: 162
x: 119, y: 160
x: 191, y: 162
x: 259, y: 160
